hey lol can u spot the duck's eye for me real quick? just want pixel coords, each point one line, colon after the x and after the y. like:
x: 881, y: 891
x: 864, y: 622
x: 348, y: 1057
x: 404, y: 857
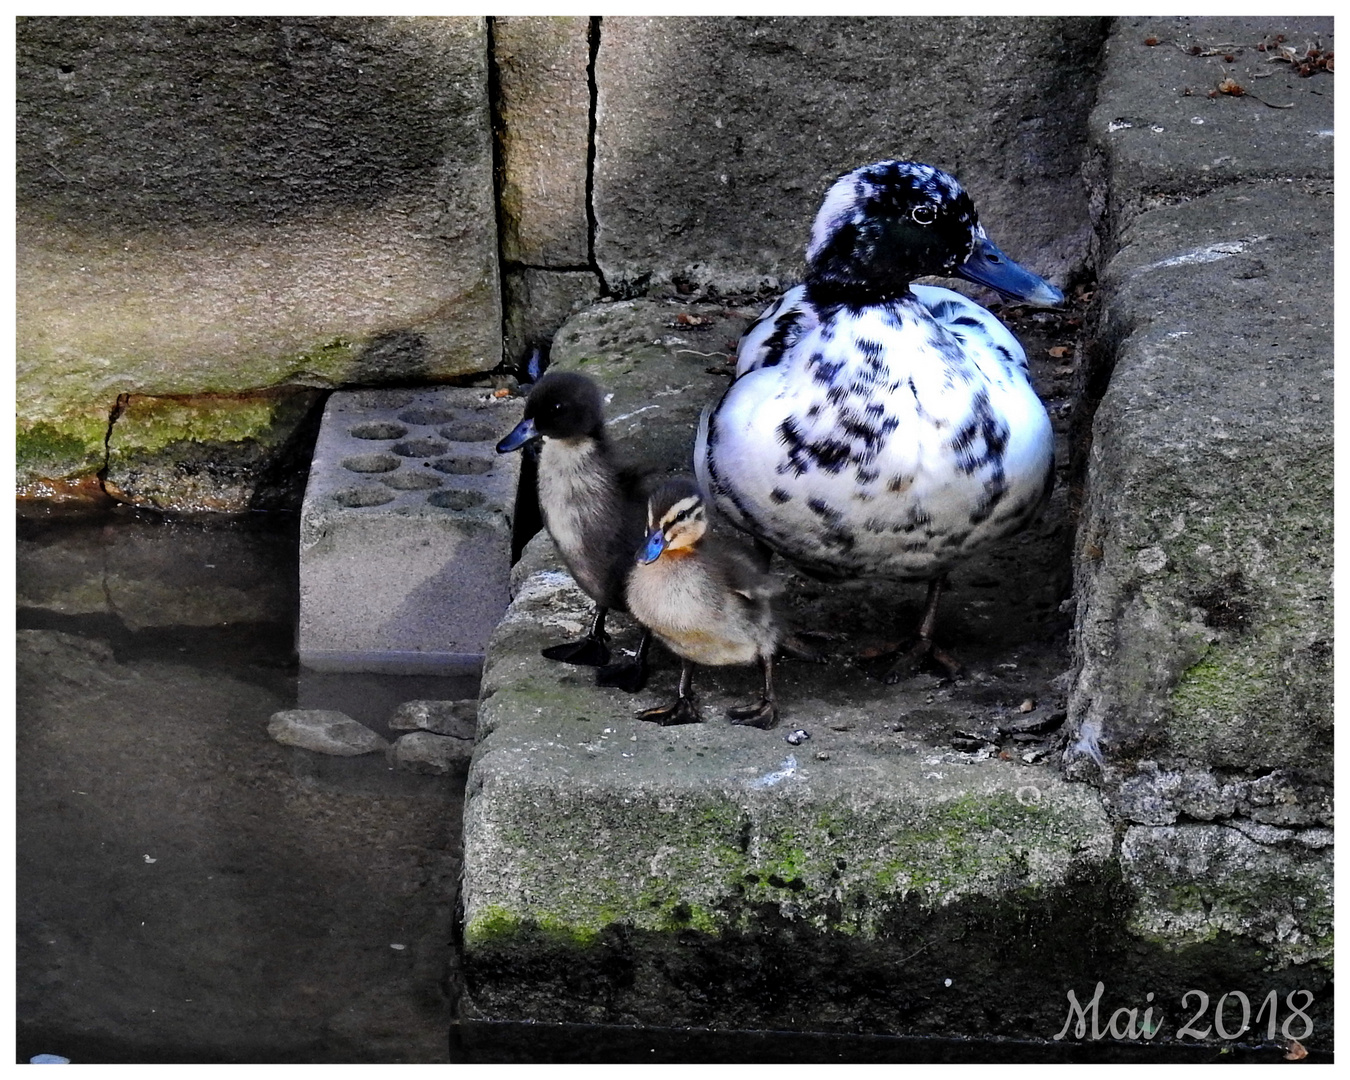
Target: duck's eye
x: 925, y: 214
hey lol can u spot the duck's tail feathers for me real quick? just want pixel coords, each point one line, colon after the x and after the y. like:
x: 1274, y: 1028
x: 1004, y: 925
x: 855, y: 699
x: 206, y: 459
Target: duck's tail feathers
x: 701, y: 455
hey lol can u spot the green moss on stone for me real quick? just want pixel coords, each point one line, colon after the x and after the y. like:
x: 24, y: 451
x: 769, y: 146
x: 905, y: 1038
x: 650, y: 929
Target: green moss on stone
x: 151, y: 424
x: 59, y: 449
x: 493, y: 924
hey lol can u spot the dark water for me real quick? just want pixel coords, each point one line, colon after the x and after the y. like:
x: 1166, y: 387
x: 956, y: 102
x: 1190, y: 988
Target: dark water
x: 190, y: 891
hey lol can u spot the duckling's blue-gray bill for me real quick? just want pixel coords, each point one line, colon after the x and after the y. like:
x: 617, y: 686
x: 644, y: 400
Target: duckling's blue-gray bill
x: 651, y: 550
x: 988, y: 265
x: 520, y: 434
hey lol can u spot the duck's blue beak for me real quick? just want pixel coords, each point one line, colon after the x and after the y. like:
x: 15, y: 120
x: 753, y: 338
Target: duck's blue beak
x: 651, y: 550
x: 520, y: 434
x: 987, y: 265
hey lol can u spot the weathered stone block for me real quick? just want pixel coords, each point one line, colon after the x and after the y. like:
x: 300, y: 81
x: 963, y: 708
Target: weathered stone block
x: 1204, y: 585
x: 697, y: 860
x: 716, y: 138
x: 544, y: 109
x: 221, y: 205
x: 537, y: 302
x: 1197, y: 882
x: 405, y: 535
x: 659, y: 364
x: 1164, y: 135
x: 222, y: 453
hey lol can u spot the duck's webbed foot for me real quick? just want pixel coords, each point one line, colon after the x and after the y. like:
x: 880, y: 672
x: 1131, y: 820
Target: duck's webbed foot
x: 913, y: 661
x: 627, y: 675
x: 924, y: 650
x: 761, y: 714
x: 684, y: 711
x: 590, y: 651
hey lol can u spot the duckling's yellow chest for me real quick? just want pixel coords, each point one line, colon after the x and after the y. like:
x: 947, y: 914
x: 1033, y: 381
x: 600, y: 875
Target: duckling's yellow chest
x: 697, y: 619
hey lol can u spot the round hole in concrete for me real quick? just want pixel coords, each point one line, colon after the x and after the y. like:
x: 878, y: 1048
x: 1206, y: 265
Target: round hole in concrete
x: 464, y: 464
x: 470, y: 431
x: 368, y: 463
x: 420, y: 414
x: 455, y: 500
x: 412, y: 481
x: 379, y: 430
x: 419, y: 448
x: 368, y: 496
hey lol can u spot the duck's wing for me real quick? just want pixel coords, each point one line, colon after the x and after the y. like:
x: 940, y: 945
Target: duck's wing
x: 977, y: 330
x: 779, y: 328
x: 738, y: 570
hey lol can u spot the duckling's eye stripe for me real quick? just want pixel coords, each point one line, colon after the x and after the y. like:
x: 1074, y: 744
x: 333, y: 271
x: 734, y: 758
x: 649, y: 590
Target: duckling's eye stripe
x: 682, y: 511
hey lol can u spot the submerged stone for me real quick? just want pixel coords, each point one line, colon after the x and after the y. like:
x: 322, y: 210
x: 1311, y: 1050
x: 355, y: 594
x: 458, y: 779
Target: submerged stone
x: 424, y: 752
x: 324, y: 731
x: 455, y: 718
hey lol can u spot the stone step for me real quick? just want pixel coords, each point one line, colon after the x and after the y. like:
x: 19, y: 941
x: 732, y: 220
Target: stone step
x: 405, y: 533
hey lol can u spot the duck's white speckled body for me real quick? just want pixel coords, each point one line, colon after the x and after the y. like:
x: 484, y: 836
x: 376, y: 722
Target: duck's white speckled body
x: 876, y: 427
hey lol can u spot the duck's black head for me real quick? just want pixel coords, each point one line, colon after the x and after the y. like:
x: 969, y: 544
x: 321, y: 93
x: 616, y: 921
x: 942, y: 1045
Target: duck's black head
x: 885, y: 224
x: 562, y: 405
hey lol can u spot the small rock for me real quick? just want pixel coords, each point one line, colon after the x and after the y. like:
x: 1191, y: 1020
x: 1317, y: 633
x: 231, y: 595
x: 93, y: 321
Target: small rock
x: 1036, y: 722
x: 456, y: 718
x: 796, y: 738
x: 974, y: 738
x: 324, y: 731
x: 425, y: 752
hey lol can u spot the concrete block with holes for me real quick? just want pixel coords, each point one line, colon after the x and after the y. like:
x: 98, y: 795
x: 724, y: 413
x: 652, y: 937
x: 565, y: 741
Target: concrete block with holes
x: 405, y: 534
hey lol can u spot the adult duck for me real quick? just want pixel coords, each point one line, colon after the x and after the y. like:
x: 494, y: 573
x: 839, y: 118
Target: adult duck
x: 876, y: 427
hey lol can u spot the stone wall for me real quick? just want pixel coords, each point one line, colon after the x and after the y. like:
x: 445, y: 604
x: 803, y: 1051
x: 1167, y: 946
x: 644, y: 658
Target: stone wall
x: 216, y: 215
x: 1203, y: 701
x: 212, y: 207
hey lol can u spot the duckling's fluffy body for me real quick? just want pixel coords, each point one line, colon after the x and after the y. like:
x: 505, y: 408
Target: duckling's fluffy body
x: 708, y: 604
x: 595, y: 524
x: 707, y: 601
x: 593, y: 510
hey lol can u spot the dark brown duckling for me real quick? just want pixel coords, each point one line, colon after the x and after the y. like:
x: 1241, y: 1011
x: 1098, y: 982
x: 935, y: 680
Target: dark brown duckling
x: 593, y: 510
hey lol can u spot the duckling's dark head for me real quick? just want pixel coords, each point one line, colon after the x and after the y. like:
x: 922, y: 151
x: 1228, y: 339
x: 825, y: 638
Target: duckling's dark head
x: 676, y: 519
x: 562, y: 405
x: 885, y: 224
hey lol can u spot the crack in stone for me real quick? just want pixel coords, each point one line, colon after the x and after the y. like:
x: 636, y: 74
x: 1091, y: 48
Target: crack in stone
x: 594, y: 87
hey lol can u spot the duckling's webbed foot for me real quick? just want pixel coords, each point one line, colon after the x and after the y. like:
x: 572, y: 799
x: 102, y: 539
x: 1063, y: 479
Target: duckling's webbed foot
x: 628, y: 675
x: 684, y: 711
x: 761, y: 714
x: 590, y: 651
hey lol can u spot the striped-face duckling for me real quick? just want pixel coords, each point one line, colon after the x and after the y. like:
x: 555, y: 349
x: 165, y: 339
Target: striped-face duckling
x: 592, y: 509
x: 706, y: 600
